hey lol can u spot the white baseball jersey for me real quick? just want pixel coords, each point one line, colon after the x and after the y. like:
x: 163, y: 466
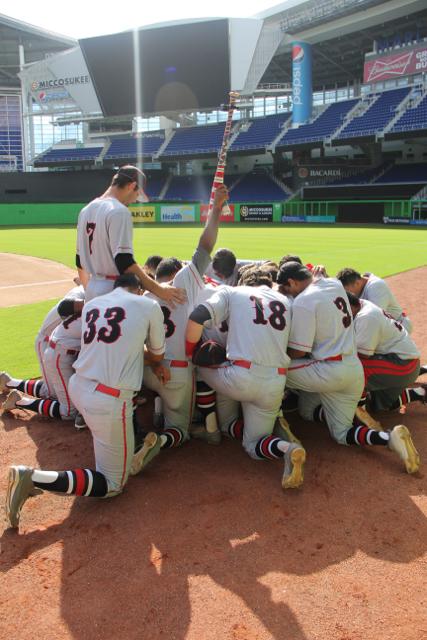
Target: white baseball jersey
x: 258, y: 321
x: 322, y: 323
x: 175, y: 320
x: 104, y: 229
x: 68, y: 334
x: 377, y: 332
x: 377, y: 291
x: 53, y: 319
x: 114, y: 329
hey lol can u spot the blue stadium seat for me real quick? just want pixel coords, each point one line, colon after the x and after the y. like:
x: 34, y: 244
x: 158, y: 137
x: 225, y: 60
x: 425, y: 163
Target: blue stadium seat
x: 413, y: 118
x: 322, y: 127
x: 195, y: 140
x: 261, y: 132
x: 127, y: 147
x: 189, y: 188
x: 416, y: 172
x: 377, y: 116
x: 82, y: 154
x: 257, y: 187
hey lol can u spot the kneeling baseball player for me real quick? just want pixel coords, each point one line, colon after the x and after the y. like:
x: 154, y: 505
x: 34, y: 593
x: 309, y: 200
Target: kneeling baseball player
x: 325, y: 367
x: 109, y: 372
x: 258, y: 320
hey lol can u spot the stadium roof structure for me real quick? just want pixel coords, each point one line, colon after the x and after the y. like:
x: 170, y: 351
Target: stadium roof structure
x: 341, y: 32
x: 37, y: 44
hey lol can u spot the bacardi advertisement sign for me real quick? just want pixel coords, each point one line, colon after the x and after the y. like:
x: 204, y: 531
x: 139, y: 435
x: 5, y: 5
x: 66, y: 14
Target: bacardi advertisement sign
x: 405, y: 63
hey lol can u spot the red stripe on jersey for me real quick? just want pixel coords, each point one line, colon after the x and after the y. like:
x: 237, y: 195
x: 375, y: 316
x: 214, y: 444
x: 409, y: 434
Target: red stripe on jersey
x: 125, y: 448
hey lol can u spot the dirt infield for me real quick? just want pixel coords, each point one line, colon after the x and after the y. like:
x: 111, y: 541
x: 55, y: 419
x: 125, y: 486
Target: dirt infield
x: 206, y: 546
x: 25, y: 279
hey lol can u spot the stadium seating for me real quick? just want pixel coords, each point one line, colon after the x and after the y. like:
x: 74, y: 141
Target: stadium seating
x: 377, y: 116
x: 155, y: 183
x: 126, y: 147
x: 11, y: 145
x: 195, y: 140
x: 83, y: 154
x: 257, y: 187
x: 364, y: 177
x: 416, y: 172
x: 261, y: 132
x: 189, y: 188
x: 322, y: 127
x: 412, y: 119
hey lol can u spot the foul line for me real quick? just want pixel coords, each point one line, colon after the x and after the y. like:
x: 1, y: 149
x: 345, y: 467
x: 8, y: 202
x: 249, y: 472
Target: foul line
x: 35, y: 284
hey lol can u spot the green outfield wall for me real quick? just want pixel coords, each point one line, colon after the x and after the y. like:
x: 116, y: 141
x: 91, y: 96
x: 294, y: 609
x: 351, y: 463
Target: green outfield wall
x: 294, y: 211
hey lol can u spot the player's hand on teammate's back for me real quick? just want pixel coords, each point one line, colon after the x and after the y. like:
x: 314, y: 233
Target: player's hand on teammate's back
x: 162, y: 373
x: 221, y: 196
x: 173, y: 295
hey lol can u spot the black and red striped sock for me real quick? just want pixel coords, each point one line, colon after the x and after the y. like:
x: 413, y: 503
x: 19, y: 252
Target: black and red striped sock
x: 171, y: 437
x: 46, y: 407
x: 235, y: 429
x: 412, y: 395
x: 79, y: 482
x: 362, y: 436
x: 205, y: 399
x: 33, y: 387
x: 266, y: 448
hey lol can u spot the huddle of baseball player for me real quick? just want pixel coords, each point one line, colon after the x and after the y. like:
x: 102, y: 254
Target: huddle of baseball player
x: 227, y: 346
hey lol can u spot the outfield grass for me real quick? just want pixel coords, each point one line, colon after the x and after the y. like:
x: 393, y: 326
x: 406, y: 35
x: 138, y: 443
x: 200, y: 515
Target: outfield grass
x: 19, y: 326
x: 382, y: 250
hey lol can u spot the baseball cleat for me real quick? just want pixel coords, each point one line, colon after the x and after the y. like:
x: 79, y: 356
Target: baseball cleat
x: 293, y: 472
x: 283, y: 430
x: 366, y: 419
x: 79, y: 422
x: 4, y: 379
x: 210, y: 437
x: 401, y: 443
x: 10, y: 403
x: 149, y: 450
x: 20, y: 487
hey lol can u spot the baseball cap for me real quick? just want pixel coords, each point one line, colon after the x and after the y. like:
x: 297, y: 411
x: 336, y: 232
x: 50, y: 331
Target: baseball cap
x: 136, y: 175
x: 293, y: 270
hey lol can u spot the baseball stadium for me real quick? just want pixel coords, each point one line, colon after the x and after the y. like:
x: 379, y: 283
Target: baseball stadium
x: 281, y: 158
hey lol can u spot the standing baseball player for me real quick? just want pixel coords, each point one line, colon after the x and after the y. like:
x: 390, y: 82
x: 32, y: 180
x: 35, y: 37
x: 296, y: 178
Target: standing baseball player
x: 258, y: 320
x: 389, y: 356
x: 376, y: 290
x: 178, y: 394
x: 325, y: 367
x: 104, y: 238
x: 109, y: 372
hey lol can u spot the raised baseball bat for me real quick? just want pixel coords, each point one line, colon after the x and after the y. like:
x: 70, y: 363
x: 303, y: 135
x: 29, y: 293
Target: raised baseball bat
x: 222, y: 156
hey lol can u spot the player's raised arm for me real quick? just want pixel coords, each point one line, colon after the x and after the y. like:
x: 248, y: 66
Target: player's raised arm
x: 210, y: 232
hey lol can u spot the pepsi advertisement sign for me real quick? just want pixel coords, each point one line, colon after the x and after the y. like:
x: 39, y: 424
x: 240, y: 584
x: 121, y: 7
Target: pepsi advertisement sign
x: 302, y: 91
